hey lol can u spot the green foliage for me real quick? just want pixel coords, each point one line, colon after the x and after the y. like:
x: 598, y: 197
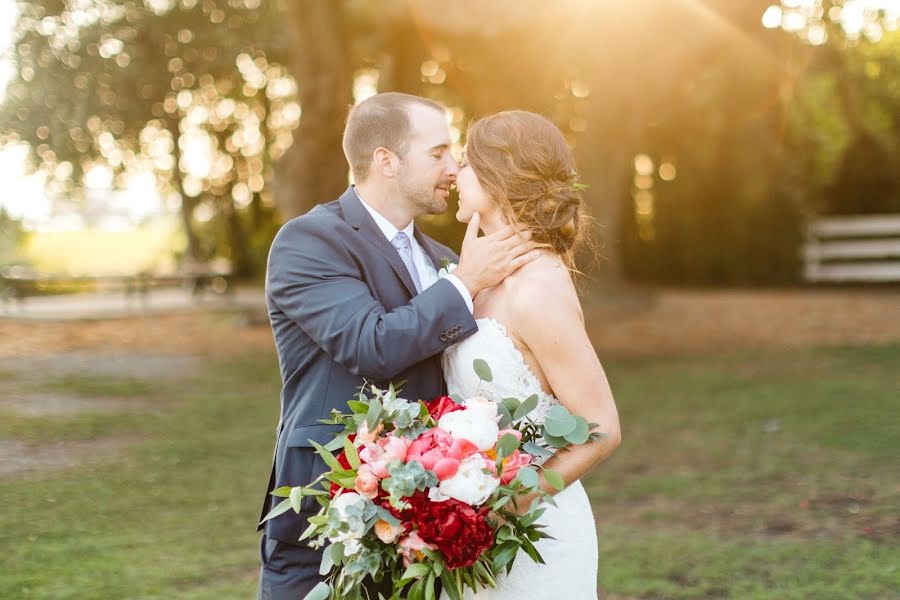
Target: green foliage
x: 750, y: 169
x: 115, y: 85
x: 406, y: 479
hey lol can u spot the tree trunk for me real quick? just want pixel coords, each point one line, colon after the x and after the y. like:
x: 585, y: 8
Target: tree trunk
x: 314, y: 169
x: 241, y: 263
x: 192, y: 253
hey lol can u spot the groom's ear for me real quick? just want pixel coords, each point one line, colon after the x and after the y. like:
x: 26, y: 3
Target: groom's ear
x: 385, y: 162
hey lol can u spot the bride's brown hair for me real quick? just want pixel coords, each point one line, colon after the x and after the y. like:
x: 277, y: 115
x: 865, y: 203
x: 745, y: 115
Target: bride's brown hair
x: 525, y: 165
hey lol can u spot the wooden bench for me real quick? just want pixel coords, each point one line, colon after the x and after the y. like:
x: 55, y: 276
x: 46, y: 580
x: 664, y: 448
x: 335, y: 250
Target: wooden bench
x: 848, y: 249
x: 17, y: 283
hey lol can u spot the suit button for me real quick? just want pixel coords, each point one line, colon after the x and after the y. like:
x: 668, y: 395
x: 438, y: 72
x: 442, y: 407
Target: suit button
x: 443, y: 337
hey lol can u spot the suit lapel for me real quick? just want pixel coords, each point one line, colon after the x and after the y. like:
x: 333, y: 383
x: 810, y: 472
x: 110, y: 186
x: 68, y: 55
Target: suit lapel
x: 359, y: 218
x: 429, y: 247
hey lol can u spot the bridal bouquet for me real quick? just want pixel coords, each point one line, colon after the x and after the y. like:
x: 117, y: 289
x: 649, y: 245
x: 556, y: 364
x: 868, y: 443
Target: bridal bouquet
x: 428, y: 491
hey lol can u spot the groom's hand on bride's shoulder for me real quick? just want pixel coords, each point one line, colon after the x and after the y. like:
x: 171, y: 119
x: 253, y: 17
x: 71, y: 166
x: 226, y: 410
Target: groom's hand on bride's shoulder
x: 487, y: 260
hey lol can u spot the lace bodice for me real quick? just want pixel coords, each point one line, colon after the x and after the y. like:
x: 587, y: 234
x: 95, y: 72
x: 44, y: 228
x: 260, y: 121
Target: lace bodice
x: 512, y: 377
x: 571, y: 551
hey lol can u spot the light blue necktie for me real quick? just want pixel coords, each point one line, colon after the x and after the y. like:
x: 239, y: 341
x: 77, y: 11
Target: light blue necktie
x: 404, y: 249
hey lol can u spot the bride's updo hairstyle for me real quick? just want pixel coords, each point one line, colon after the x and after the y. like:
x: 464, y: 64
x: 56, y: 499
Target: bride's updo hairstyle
x: 525, y: 165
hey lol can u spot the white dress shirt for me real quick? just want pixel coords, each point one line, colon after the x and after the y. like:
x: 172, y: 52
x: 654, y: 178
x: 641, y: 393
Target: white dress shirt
x: 428, y: 275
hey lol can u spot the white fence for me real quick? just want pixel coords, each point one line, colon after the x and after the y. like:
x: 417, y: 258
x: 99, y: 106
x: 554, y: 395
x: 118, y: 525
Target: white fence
x: 853, y: 249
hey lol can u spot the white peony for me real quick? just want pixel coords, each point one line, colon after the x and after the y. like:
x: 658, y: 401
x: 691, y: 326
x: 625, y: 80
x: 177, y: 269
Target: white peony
x: 478, y: 423
x: 350, y: 540
x: 485, y: 406
x: 345, y: 501
x: 471, y: 484
x: 352, y: 535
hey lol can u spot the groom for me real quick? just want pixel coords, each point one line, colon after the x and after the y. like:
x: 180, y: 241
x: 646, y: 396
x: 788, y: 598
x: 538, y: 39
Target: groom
x: 353, y: 295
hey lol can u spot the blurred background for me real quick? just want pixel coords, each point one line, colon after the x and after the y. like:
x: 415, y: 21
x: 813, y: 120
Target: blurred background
x: 744, y: 168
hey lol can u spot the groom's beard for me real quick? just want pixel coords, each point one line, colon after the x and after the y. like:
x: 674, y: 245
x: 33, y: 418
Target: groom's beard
x: 425, y: 196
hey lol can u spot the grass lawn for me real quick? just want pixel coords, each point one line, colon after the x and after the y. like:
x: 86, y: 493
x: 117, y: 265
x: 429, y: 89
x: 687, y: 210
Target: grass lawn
x: 764, y: 475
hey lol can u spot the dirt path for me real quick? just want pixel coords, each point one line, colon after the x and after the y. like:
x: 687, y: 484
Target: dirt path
x: 622, y: 322
x: 666, y: 322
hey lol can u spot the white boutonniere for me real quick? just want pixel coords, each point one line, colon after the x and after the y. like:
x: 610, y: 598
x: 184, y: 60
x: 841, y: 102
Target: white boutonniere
x: 447, y: 267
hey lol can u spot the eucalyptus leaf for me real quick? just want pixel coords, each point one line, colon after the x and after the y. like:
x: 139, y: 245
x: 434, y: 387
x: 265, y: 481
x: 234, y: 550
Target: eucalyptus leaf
x: 581, y: 433
x: 556, y: 442
x: 320, y: 592
x: 559, y: 422
x: 554, y: 479
x: 483, y: 370
x: 385, y: 515
x: 535, y: 450
x: 458, y: 399
x: 337, y: 552
x: 505, y: 416
x: 327, y: 563
x: 528, y: 477
x: 507, y: 445
x: 528, y: 405
x: 511, y: 404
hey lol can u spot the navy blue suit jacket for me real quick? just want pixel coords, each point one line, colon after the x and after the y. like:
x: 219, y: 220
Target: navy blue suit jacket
x: 344, y: 309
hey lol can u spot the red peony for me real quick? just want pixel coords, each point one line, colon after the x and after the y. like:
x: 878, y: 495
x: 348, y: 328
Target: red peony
x: 439, y: 407
x: 459, y: 531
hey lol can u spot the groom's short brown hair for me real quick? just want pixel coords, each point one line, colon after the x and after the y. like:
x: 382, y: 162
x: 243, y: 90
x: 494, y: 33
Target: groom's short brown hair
x: 380, y: 121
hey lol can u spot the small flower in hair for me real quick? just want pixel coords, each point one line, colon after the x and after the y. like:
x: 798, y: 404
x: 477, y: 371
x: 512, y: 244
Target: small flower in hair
x: 577, y: 185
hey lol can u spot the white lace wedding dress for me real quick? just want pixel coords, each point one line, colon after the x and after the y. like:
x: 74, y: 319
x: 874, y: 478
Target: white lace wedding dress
x: 570, y: 572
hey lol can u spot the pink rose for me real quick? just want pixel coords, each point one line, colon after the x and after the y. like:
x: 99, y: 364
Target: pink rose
x: 366, y: 482
x: 363, y: 435
x: 439, y: 452
x: 511, y: 465
x: 383, y: 452
x: 511, y: 431
x: 411, y: 548
x: 388, y: 533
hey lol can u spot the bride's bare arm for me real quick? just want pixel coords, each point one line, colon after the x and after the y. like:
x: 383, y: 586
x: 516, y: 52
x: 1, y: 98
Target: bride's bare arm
x: 547, y: 318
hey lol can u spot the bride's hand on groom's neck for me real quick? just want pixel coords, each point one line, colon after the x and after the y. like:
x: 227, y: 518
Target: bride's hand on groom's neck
x: 487, y: 260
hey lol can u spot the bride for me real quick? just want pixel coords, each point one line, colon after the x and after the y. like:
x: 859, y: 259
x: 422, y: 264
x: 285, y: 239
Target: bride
x: 519, y: 170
